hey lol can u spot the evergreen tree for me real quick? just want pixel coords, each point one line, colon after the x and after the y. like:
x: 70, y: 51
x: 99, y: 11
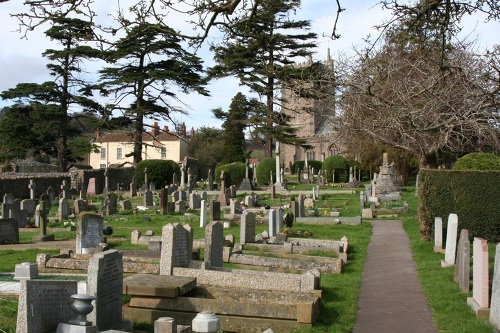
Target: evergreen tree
x: 235, y: 122
x: 260, y: 52
x: 52, y: 101
x: 146, y: 61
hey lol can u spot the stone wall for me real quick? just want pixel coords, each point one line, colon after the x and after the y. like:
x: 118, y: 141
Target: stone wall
x: 17, y: 183
x: 122, y: 176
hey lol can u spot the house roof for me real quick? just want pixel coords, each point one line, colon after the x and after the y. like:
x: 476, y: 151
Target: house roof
x: 129, y: 137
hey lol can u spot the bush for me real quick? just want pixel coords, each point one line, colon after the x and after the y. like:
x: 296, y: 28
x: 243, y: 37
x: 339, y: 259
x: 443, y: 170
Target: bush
x: 264, y: 168
x: 235, y: 173
x: 317, y: 165
x: 478, y: 161
x: 160, y: 172
x: 341, y: 167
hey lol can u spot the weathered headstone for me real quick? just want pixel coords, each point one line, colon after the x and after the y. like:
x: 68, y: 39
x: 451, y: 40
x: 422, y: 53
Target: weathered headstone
x: 462, y: 267
x: 247, y: 227
x: 214, y: 243
x: 148, y: 199
x: 203, y: 214
x: 133, y: 189
x: 210, y: 180
x: 451, y: 241
x: 105, y: 282
x: 9, y: 231
x: 194, y: 201
x: 302, y: 210
x: 279, y: 222
x: 163, y: 201
x: 174, y: 249
x: 32, y: 188
x: 88, y: 233
x: 63, y: 210
x: 234, y: 206
x: 80, y: 206
x: 113, y: 203
x: 43, y: 304
x: 214, y: 210
x: 438, y: 234
x: 249, y: 201
x: 272, y: 222
x: 29, y: 205
x: 223, y: 200
x: 495, y: 291
x: 480, y: 276
x: 92, y: 187
x: 180, y: 206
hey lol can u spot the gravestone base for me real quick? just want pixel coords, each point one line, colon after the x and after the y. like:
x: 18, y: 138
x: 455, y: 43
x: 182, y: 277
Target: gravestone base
x: 446, y: 264
x: 69, y: 328
x: 480, y: 312
x: 41, y: 238
x: 438, y: 250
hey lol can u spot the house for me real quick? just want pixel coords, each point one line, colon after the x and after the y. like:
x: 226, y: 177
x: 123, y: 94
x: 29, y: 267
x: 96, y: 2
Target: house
x: 113, y: 148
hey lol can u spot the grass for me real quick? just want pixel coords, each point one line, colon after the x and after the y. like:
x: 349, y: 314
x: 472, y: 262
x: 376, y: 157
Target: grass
x: 449, y: 305
x: 339, y: 305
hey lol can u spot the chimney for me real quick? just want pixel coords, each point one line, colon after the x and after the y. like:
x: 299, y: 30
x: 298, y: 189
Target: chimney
x: 165, y: 129
x: 155, y: 129
x: 183, y: 130
x: 192, y: 132
x: 98, y: 133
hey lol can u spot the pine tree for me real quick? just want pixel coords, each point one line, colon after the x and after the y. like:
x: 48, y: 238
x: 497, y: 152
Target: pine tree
x: 260, y: 53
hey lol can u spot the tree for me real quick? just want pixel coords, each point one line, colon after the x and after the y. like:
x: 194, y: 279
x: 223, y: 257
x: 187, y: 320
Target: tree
x: 404, y: 97
x: 235, y: 122
x: 260, y: 52
x: 206, y: 148
x: 146, y: 62
x: 56, y: 99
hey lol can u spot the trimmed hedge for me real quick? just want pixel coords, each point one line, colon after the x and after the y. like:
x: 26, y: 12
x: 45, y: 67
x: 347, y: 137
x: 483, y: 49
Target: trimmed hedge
x: 264, y: 168
x: 469, y: 194
x: 341, y: 167
x: 160, y: 172
x: 317, y: 165
x: 235, y: 173
x: 478, y: 161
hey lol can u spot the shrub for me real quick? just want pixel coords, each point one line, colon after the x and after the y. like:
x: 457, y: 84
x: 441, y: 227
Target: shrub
x: 317, y: 165
x: 235, y: 173
x: 341, y: 167
x: 478, y: 161
x: 160, y: 172
x: 264, y: 168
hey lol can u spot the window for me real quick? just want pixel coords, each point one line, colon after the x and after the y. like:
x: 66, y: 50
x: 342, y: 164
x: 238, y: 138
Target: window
x: 103, y: 153
x: 119, y: 153
x: 163, y: 153
x: 102, y: 166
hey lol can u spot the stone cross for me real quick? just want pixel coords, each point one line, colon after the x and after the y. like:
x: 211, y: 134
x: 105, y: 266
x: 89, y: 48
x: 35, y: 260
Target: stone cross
x: 146, y: 176
x: 32, y: 188
x: 183, y: 175
x: 63, y: 189
x: 106, y: 179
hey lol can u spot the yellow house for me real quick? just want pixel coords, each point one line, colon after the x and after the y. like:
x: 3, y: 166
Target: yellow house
x: 113, y: 147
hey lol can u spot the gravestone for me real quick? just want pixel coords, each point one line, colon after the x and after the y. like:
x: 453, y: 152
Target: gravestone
x: 438, y: 234
x: 183, y: 195
x: 302, y: 210
x: 232, y: 189
x: 32, y: 188
x: 247, y: 227
x: 495, y: 291
x: 9, y: 231
x: 480, y: 276
x: 214, y: 244
x: 152, y: 186
x: 113, y: 203
x: 294, y: 209
x: 246, y: 185
x: 92, y: 187
x: 105, y: 282
x: 64, y: 190
x: 223, y: 199
x: 194, y: 201
x: 163, y: 201
x: 462, y: 266
x: 214, y: 210
x: 272, y: 222
x: 63, y: 210
x: 80, y: 206
x: 180, y: 206
x: 174, y: 249
x: 148, y: 199
x: 43, y: 304
x: 451, y: 241
x: 203, y: 214
x: 89, y: 233
x: 51, y: 194
x: 8, y: 203
x: 249, y: 201
x: 175, y: 196
x: 133, y: 189
x: 279, y: 222
x: 125, y: 205
x: 29, y: 205
x: 234, y: 206
x: 210, y: 180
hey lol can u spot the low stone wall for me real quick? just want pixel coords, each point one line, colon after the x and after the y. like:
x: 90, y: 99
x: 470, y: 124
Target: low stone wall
x: 18, y: 183
x: 329, y: 220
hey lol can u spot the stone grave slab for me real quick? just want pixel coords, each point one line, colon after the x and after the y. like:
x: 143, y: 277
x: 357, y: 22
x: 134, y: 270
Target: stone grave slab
x: 158, y: 285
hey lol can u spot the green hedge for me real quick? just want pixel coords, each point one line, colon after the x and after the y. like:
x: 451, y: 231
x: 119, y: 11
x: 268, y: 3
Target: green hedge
x: 159, y: 171
x: 317, y: 165
x: 263, y: 170
x: 472, y: 195
x: 235, y: 173
x: 341, y: 167
x: 478, y: 161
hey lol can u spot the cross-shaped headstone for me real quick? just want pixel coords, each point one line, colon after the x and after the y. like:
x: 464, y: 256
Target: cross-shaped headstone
x: 32, y: 189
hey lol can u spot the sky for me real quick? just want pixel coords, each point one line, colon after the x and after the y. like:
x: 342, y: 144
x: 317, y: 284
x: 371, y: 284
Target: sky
x: 21, y: 60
